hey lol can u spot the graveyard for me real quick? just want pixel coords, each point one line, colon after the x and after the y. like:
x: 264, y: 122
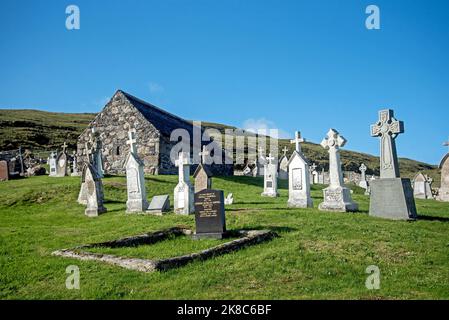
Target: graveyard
x: 316, y: 255
x: 233, y: 154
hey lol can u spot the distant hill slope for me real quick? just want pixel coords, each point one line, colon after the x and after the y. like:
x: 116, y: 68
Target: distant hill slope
x: 40, y: 130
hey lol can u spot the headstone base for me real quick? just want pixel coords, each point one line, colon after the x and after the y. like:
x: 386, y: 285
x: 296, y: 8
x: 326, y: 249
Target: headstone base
x: 198, y: 236
x: 270, y: 194
x: 392, y: 199
x: 300, y: 203
x: 363, y: 184
x: 338, y: 200
x: 136, y: 206
x: 95, y: 212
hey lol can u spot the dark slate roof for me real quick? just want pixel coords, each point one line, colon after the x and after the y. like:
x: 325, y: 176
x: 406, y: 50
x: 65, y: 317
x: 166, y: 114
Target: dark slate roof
x: 164, y: 121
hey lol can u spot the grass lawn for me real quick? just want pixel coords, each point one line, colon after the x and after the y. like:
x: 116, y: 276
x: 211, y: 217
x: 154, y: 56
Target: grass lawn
x: 317, y: 256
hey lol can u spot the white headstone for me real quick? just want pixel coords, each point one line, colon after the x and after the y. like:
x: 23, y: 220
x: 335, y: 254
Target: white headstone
x: 336, y: 196
x: 299, y: 181
x: 270, y: 184
x: 135, y: 178
x: 363, y: 182
x: 93, y: 192
x: 422, y: 186
x: 183, y: 193
x: 52, y: 164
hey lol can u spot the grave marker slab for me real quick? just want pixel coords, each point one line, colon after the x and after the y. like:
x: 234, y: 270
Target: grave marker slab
x: 210, y: 218
x: 159, y: 205
x: 270, y: 183
x: 94, y: 192
x: 183, y: 192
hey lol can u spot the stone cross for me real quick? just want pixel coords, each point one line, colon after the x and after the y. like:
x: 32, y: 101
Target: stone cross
x: 388, y: 128
x: 333, y: 142
x: 285, y: 151
x: 180, y: 163
x: 64, y: 146
x: 363, y: 171
x: 132, y: 140
x: 297, y: 141
x: 203, y: 154
x: 270, y: 159
x: 313, y: 167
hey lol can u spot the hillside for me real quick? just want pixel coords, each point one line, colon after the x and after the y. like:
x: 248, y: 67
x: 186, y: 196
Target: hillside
x: 40, y: 130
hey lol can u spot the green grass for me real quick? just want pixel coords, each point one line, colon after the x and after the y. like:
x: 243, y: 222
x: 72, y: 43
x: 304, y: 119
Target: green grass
x: 317, y: 255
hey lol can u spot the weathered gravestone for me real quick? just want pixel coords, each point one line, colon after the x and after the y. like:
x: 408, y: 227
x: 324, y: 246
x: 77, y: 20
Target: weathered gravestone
x: 422, y: 186
x: 270, y: 183
x: 94, y: 192
x: 97, y: 159
x: 261, y: 162
x: 52, y: 164
x: 4, y: 171
x: 203, y: 174
x: 183, y: 193
x: 62, y: 162
x: 336, y: 196
x: 82, y: 196
x: 159, y: 205
x: 299, y: 178
x: 283, y: 165
x: 75, y: 172
x: 210, y: 218
x: 443, y: 194
x: 313, y: 174
x: 363, y: 182
x: 135, y: 178
x: 391, y: 196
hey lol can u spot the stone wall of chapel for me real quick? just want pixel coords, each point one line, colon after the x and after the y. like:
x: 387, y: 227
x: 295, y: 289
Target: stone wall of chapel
x: 112, y: 124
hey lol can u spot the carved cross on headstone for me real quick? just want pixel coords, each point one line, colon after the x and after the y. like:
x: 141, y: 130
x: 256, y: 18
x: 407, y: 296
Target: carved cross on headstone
x: 183, y: 160
x: 285, y: 151
x: 132, y: 140
x: 203, y: 154
x: 363, y: 171
x: 313, y: 167
x: 270, y: 158
x: 64, y: 146
x: 297, y: 141
x: 333, y: 142
x: 388, y: 128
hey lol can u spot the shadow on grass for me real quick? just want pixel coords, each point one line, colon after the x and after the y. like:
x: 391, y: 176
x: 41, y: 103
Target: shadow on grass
x: 433, y: 218
x: 271, y: 228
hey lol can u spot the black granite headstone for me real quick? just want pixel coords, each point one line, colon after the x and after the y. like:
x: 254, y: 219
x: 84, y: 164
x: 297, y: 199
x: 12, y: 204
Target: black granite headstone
x: 209, y: 214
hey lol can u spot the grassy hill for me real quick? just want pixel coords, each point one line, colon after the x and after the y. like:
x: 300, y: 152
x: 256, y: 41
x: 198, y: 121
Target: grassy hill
x: 40, y: 130
x: 318, y: 255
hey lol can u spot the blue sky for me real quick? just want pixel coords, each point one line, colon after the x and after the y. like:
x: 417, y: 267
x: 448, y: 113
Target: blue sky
x: 293, y: 65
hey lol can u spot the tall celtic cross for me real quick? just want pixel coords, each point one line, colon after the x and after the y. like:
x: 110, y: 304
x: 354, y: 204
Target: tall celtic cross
x: 388, y: 128
x: 297, y: 141
x: 363, y: 171
x: 64, y: 146
x: 203, y: 154
x: 285, y: 150
x: 332, y: 143
x: 132, y: 140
